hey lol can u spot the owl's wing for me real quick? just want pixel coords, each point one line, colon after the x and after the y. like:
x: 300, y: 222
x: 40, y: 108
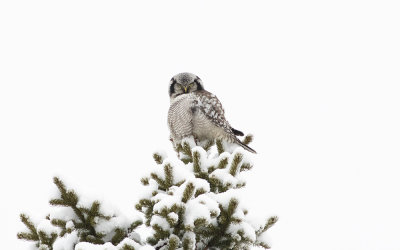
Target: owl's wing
x: 210, y: 106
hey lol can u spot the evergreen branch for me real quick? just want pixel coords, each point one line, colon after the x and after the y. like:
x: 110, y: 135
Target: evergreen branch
x: 127, y: 247
x: 214, y: 184
x: 262, y: 244
x: 85, y: 224
x: 187, y: 151
x: 169, y: 178
x: 186, y: 160
x: 200, y: 222
x: 160, y: 233
x: 245, y: 167
x: 173, y: 242
x: 233, y: 204
x: 27, y: 236
x: 178, y: 184
x: 187, y: 243
x: 58, y: 202
x: 199, y: 191
x: 145, y: 181
x: 196, y: 162
x: 32, y: 235
x: 119, y: 235
x: 161, y: 183
x: 208, y: 145
x: 188, y: 192
x: 59, y: 223
x: 62, y: 225
x: 70, y: 199
x: 240, y: 185
x: 148, y: 205
x: 158, y: 158
x: 247, y: 139
x: 271, y: 221
x: 211, y: 169
x: 224, y: 220
x: 235, y: 164
x: 179, y: 210
x: 223, y: 163
x: 47, y: 239
x: 171, y: 221
x: 223, y: 231
x: 152, y: 241
x: 220, y: 147
x: 94, y: 239
x: 134, y: 225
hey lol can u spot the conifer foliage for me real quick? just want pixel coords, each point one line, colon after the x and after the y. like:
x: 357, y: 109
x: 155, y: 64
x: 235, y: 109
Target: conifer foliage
x: 190, y: 202
x: 77, y: 222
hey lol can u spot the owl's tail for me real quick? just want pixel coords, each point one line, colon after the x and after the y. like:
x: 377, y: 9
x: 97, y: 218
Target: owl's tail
x: 245, y: 146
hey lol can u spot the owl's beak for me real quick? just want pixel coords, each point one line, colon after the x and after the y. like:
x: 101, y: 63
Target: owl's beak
x: 185, y: 89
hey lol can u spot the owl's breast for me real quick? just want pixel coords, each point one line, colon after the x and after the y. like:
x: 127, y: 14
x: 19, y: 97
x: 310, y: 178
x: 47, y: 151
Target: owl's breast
x: 180, y: 117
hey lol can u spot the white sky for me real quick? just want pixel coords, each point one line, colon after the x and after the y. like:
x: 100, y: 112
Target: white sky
x: 83, y: 94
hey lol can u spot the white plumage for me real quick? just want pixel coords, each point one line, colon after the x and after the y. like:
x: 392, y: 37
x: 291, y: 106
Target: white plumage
x: 196, y: 112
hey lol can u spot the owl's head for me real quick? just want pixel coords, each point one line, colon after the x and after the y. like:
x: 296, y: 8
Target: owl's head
x: 184, y: 83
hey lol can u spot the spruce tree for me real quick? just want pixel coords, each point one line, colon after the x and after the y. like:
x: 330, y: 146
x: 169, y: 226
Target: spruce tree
x: 191, y: 202
x: 76, y: 222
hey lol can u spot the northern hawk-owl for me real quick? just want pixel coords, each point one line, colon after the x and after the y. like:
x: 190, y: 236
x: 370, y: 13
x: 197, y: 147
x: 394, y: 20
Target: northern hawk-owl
x: 196, y: 112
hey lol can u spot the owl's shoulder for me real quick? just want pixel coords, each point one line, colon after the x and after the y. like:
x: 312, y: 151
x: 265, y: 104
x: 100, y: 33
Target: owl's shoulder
x: 208, y: 101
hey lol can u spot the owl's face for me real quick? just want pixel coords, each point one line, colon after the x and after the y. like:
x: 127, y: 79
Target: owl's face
x: 184, y: 83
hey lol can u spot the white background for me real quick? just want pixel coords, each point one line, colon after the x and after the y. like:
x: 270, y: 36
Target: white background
x: 83, y: 94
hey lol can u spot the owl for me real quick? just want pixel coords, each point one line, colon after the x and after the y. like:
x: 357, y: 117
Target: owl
x: 195, y: 112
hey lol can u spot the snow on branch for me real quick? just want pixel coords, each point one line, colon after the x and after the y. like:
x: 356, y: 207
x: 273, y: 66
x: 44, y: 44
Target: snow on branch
x: 189, y: 202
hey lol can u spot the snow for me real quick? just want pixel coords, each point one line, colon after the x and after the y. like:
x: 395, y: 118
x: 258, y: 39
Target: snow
x: 43, y: 247
x: 46, y: 227
x: 130, y: 242
x: 200, y: 184
x: 147, y: 191
x: 89, y: 246
x: 189, y: 140
x: 160, y: 221
x: 264, y: 237
x: 247, y: 230
x: 204, y: 207
x: 210, y: 203
x: 224, y: 176
x: 179, y: 170
x: 225, y: 197
x: 161, y: 152
x: 109, y: 246
x: 204, y: 163
x: 62, y: 213
x: 165, y: 201
x: 195, y: 210
x: 107, y: 226
x: 315, y: 81
x: 173, y: 216
x: 70, y: 225
x: 67, y: 242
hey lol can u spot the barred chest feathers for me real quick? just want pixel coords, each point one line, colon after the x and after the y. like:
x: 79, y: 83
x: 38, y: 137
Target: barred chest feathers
x: 187, y: 117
